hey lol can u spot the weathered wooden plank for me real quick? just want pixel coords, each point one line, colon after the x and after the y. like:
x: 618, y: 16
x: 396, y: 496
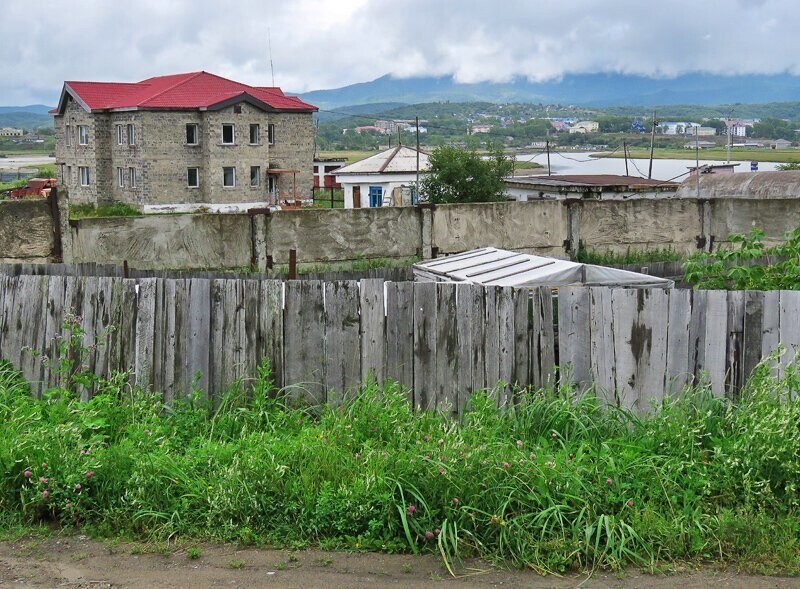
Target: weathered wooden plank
x: 424, y: 345
x: 250, y: 297
x: 734, y: 354
x: 103, y: 324
x: 270, y: 327
x: 753, y: 323
x: 30, y: 324
x: 697, y: 337
x: 491, y: 338
x: 715, y: 340
x: 217, y: 353
x: 545, y: 333
x: 160, y: 328
x: 573, y: 337
x: 771, y: 330
x: 601, y: 341
x: 54, y: 316
x: 522, y: 341
x: 789, y: 325
x: 400, y: 335
x: 445, y: 384
x: 678, y: 373
x: 505, y: 347
x: 372, y: 335
x: 170, y: 359
x: 145, y: 327
x: 91, y: 336
x: 123, y: 316
x: 477, y: 305
x: 197, y: 369
x: 235, y: 336
x: 464, y: 333
x: 342, y: 353
x: 304, y: 342
x: 6, y: 293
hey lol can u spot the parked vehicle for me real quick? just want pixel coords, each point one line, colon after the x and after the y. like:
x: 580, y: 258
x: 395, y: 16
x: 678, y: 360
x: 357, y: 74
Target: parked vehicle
x: 35, y: 187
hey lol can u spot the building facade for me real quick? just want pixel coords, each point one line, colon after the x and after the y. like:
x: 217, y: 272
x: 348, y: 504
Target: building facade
x: 188, y: 139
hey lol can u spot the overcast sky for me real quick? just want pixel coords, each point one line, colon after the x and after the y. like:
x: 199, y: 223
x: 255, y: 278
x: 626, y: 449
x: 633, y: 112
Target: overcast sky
x: 331, y: 43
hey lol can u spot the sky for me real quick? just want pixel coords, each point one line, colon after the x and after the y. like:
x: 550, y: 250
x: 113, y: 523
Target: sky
x: 320, y: 44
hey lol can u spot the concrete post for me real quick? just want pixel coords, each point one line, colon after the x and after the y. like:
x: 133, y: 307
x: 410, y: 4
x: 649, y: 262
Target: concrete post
x: 574, y: 213
x: 259, y: 226
x: 426, y: 230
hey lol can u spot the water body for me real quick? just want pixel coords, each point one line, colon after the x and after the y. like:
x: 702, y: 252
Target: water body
x: 677, y: 170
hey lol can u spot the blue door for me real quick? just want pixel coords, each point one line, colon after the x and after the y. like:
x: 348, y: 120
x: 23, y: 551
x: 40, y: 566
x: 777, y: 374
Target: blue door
x: 375, y: 196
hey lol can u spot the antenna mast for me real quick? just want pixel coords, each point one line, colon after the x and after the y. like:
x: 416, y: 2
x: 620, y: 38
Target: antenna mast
x: 269, y: 46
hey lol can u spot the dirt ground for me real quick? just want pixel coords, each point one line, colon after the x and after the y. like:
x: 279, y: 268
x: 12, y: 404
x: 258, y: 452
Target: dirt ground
x: 79, y: 562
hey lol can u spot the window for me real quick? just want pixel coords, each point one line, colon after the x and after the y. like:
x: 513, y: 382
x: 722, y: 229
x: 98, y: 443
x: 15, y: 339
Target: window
x: 255, y: 134
x: 84, y: 174
x: 193, y: 177
x: 272, y: 184
x: 83, y: 135
x: 229, y: 176
x: 132, y: 177
x: 120, y: 134
x: 191, y: 134
x: 271, y: 134
x: 227, y: 134
x: 131, y: 134
x: 68, y: 135
x: 121, y: 177
x: 68, y: 180
x: 375, y: 196
x: 255, y: 176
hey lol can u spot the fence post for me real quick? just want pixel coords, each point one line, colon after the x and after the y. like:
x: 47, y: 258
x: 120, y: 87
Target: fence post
x: 55, y: 216
x: 292, y: 264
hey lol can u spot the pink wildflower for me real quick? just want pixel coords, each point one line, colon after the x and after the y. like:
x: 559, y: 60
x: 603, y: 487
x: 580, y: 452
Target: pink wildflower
x: 27, y: 474
x: 90, y: 474
x: 629, y: 503
x: 455, y: 501
x: 441, y: 470
x: 429, y: 534
x: 505, y: 465
x: 68, y: 506
x: 437, y: 531
x: 44, y: 465
x: 411, y: 509
x: 609, y: 482
x: 42, y: 480
x: 78, y: 487
x: 45, y: 493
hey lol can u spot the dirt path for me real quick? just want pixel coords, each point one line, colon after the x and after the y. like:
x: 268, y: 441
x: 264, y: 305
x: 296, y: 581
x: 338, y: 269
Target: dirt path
x: 79, y: 562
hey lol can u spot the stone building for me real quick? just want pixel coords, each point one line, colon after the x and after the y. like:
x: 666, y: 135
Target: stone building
x: 188, y: 139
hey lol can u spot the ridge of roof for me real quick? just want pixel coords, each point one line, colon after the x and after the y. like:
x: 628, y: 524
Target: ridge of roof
x: 189, y: 76
x: 390, y: 158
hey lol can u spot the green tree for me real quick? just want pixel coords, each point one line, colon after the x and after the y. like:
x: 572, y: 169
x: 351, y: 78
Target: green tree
x: 462, y: 175
x: 773, y: 129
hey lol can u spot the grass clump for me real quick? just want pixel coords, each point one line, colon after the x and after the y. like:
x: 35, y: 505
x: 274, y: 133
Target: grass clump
x: 85, y: 211
x: 556, y: 482
x: 609, y: 258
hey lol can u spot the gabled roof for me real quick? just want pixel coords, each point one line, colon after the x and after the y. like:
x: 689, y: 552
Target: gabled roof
x: 396, y: 160
x: 191, y: 91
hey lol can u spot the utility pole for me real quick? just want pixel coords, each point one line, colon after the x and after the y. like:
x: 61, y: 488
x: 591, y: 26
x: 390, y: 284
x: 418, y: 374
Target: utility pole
x: 652, y: 145
x: 697, y: 160
x: 625, y: 152
x: 547, y: 145
x: 416, y: 122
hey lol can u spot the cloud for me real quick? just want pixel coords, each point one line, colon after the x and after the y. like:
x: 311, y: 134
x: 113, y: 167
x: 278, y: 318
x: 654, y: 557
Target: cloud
x: 322, y: 44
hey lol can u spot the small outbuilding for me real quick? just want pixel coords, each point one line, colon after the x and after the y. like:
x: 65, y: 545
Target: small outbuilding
x: 497, y: 267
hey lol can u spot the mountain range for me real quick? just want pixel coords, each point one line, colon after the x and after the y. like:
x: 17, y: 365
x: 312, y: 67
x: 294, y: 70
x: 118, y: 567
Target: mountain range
x: 601, y: 89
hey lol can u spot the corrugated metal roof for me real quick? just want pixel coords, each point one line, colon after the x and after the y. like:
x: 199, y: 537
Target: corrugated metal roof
x: 594, y: 180
x: 396, y: 160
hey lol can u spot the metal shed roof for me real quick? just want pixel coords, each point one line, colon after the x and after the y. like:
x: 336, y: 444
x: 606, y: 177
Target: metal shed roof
x: 497, y: 267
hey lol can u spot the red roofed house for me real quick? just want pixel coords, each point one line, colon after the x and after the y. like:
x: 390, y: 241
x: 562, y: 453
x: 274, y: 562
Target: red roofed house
x: 191, y: 138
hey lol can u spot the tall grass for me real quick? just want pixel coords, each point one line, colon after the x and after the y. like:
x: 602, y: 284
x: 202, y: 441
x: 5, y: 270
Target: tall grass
x: 553, y: 483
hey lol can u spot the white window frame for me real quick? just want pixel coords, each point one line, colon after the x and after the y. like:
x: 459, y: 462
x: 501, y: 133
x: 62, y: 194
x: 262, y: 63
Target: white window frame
x: 257, y: 128
x: 83, y: 134
x: 272, y: 184
x: 132, y: 177
x: 271, y: 133
x: 196, y: 133
x: 120, y: 176
x: 233, y: 169
x: 83, y: 173
x: 189, y: 177
x: 131, y: 134
x: 68, y: 135
x: 233, y: 134
x: 257, y: 177
x: 121, y: 140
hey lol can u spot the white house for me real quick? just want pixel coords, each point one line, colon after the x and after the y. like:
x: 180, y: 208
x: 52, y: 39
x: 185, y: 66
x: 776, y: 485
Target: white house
x: 388, y: 178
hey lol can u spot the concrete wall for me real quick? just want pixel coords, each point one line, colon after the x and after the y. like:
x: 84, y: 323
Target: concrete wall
x: 215, y: 241
x: 639, y: 224
x: 343, y: 234
x: 26, y: 231
x: 164, y: 241
x: 531, y: 227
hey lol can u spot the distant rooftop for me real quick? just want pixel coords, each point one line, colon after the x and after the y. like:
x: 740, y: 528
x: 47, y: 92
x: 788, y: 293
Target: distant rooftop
x: 608, y: 181
x: 396, y: 160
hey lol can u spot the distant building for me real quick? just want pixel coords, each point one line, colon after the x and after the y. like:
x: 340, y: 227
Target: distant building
x: 325, y: 171
x: 370, y: 128
x: 699, y: 144
x: 385, y: 179
x: 701, y: 131
x: 738, y: 127
x: 713, y: 169
x: 585, y: 127
x: 480, y: 129
x: 11, y: 132
x: 587, y: 187
x: 780, y: 144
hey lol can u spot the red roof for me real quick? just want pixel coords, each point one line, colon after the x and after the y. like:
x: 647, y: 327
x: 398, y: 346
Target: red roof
x: 196, y: 90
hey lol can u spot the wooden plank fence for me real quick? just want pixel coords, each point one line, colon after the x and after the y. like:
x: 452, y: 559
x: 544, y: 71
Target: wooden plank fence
x: 636, y: 346
x: 322, y: 339
x: 440, y: 341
